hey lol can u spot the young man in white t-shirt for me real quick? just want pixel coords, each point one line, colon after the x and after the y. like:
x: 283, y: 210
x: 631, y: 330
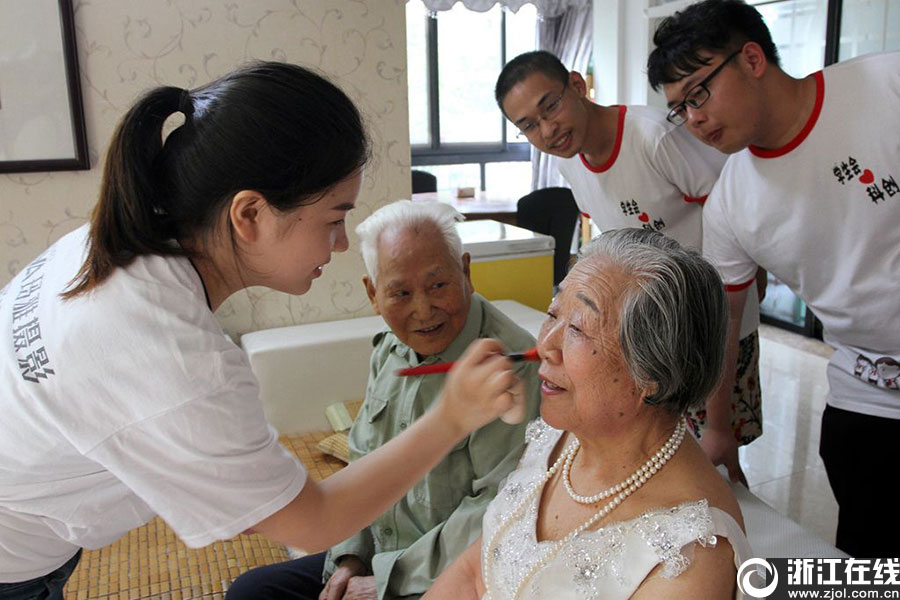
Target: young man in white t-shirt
x: 629, y: 167
x: 811, y: 194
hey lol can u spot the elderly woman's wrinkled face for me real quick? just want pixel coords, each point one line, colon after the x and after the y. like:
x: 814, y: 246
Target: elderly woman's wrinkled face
x: 422, y: 290
x: 584, y: 380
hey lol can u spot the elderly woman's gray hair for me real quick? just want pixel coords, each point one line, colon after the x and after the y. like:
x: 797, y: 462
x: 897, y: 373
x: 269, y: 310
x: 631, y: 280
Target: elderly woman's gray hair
x: 674, y: 318
x: 401, y: 215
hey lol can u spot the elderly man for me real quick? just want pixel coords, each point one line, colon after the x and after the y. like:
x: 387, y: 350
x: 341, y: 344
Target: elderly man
x: 418, y: 281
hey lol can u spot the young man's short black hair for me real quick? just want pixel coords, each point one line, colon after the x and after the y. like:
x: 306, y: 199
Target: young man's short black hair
x: 516, y: 70
x: 722, y: 26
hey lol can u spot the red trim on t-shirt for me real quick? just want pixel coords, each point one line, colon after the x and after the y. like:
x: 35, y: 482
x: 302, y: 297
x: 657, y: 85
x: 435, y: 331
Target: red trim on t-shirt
x: 810, y: 123
x: 739, y: 286
x: 701, y: 200
x: 615, y: 153
x: 586, y: 215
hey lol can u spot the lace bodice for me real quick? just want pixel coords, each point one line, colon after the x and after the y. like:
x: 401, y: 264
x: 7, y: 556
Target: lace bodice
x: 607, y: 563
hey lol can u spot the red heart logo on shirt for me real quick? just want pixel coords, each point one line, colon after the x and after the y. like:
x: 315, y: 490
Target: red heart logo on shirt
x: 867, y: 177
x: 644, y: 217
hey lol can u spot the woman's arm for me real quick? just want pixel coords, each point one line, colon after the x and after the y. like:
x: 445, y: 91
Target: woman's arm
x: 462, y: 580
x: 711, y: 575
x: 327, y: 512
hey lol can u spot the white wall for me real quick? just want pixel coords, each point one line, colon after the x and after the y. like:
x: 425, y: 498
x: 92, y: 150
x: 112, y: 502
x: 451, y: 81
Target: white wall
x: 127, y: 46
x: 621, y: 46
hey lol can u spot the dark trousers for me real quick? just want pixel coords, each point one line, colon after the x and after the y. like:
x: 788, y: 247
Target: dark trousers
x: 859, y: 452
x: 48, y: 587
x: 299, y: 579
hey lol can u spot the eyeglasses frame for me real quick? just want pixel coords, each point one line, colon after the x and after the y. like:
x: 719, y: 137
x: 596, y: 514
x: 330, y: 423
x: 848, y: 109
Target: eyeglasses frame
x: 543, y: 116
x: 675, y: 114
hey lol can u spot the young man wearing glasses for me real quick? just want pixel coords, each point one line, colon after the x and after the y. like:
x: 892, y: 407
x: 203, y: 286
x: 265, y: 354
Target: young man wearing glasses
x: 810, y: 193
x: 629, y: 167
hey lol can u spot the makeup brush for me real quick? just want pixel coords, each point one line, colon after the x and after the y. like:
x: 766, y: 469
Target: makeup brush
x: 529, y: 355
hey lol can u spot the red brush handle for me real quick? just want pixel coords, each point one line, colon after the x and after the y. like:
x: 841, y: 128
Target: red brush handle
x: 529, y: 355
x: 425, y: 369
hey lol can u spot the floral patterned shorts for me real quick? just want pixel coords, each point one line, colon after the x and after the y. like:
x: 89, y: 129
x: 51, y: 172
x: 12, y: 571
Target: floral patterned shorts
x: 746, y: 400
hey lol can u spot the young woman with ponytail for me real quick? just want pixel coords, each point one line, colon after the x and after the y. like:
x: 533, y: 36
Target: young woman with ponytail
x: 123, y: 399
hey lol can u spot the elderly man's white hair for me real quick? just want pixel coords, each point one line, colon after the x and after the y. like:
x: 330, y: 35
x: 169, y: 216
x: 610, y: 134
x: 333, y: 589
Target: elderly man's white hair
x: 401, y: 215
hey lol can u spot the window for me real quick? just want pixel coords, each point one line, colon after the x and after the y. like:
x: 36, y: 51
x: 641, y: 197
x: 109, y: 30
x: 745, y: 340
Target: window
x: 798, y: 30
x: 456, y: 130
x: 869, y: 26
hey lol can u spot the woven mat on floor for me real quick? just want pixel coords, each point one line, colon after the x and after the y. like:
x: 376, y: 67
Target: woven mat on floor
x: 150, y: 562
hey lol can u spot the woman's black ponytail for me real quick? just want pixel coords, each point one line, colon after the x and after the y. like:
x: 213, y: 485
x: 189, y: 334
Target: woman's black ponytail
x: 129, y: 219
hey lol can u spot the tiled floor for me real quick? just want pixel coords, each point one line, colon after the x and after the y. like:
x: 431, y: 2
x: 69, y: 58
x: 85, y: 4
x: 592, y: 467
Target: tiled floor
x: 783, y: 466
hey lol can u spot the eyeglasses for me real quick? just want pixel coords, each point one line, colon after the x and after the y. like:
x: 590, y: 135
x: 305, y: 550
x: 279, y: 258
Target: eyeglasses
x: 696, y: 96
x: 550, y: 111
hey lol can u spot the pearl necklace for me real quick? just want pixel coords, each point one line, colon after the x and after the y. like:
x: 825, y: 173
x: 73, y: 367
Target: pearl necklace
x: 637, y: 479
x: 644, y: 472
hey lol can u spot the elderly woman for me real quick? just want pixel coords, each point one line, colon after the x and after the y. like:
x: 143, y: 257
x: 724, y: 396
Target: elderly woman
x: 611, y: 499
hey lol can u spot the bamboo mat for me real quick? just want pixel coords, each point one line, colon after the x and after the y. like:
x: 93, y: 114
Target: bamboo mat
x: 150, y: 562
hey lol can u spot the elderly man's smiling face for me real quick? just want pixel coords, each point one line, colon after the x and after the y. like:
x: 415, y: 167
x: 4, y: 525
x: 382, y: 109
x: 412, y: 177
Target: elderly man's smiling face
x: 421, y: 289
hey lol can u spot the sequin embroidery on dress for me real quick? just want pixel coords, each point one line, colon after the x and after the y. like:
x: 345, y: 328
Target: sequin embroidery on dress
x: 610, y: 562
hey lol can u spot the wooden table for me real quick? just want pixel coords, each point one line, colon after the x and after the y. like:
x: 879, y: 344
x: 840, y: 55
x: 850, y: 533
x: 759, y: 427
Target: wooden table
x: 485, y: 205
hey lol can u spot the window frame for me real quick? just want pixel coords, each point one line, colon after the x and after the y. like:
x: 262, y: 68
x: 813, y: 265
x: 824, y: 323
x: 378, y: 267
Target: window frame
x: 435, y: 153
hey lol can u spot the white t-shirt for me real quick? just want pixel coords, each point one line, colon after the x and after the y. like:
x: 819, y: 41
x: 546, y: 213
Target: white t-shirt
x: 121, y: 404
x: 657, y: 178
x: 822, y: 214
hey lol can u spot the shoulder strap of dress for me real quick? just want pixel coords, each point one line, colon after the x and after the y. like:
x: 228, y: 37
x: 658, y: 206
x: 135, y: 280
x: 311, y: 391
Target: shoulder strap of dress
x: 725, y: 526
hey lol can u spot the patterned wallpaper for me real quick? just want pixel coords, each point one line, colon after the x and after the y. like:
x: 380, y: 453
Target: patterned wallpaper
x: 127, y: 46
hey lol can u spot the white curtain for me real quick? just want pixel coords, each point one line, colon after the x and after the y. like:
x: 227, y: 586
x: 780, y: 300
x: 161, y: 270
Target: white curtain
x: 545, y: 8
x: 569, y: 36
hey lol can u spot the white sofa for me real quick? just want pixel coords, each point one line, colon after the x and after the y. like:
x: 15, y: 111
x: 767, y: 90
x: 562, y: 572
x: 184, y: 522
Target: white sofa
x: 304, y: 368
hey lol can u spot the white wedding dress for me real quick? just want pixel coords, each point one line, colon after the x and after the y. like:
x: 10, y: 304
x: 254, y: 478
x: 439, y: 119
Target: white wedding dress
x: 603, y: 564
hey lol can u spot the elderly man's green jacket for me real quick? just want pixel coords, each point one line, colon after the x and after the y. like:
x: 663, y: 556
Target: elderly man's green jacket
x: 407, y: 547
